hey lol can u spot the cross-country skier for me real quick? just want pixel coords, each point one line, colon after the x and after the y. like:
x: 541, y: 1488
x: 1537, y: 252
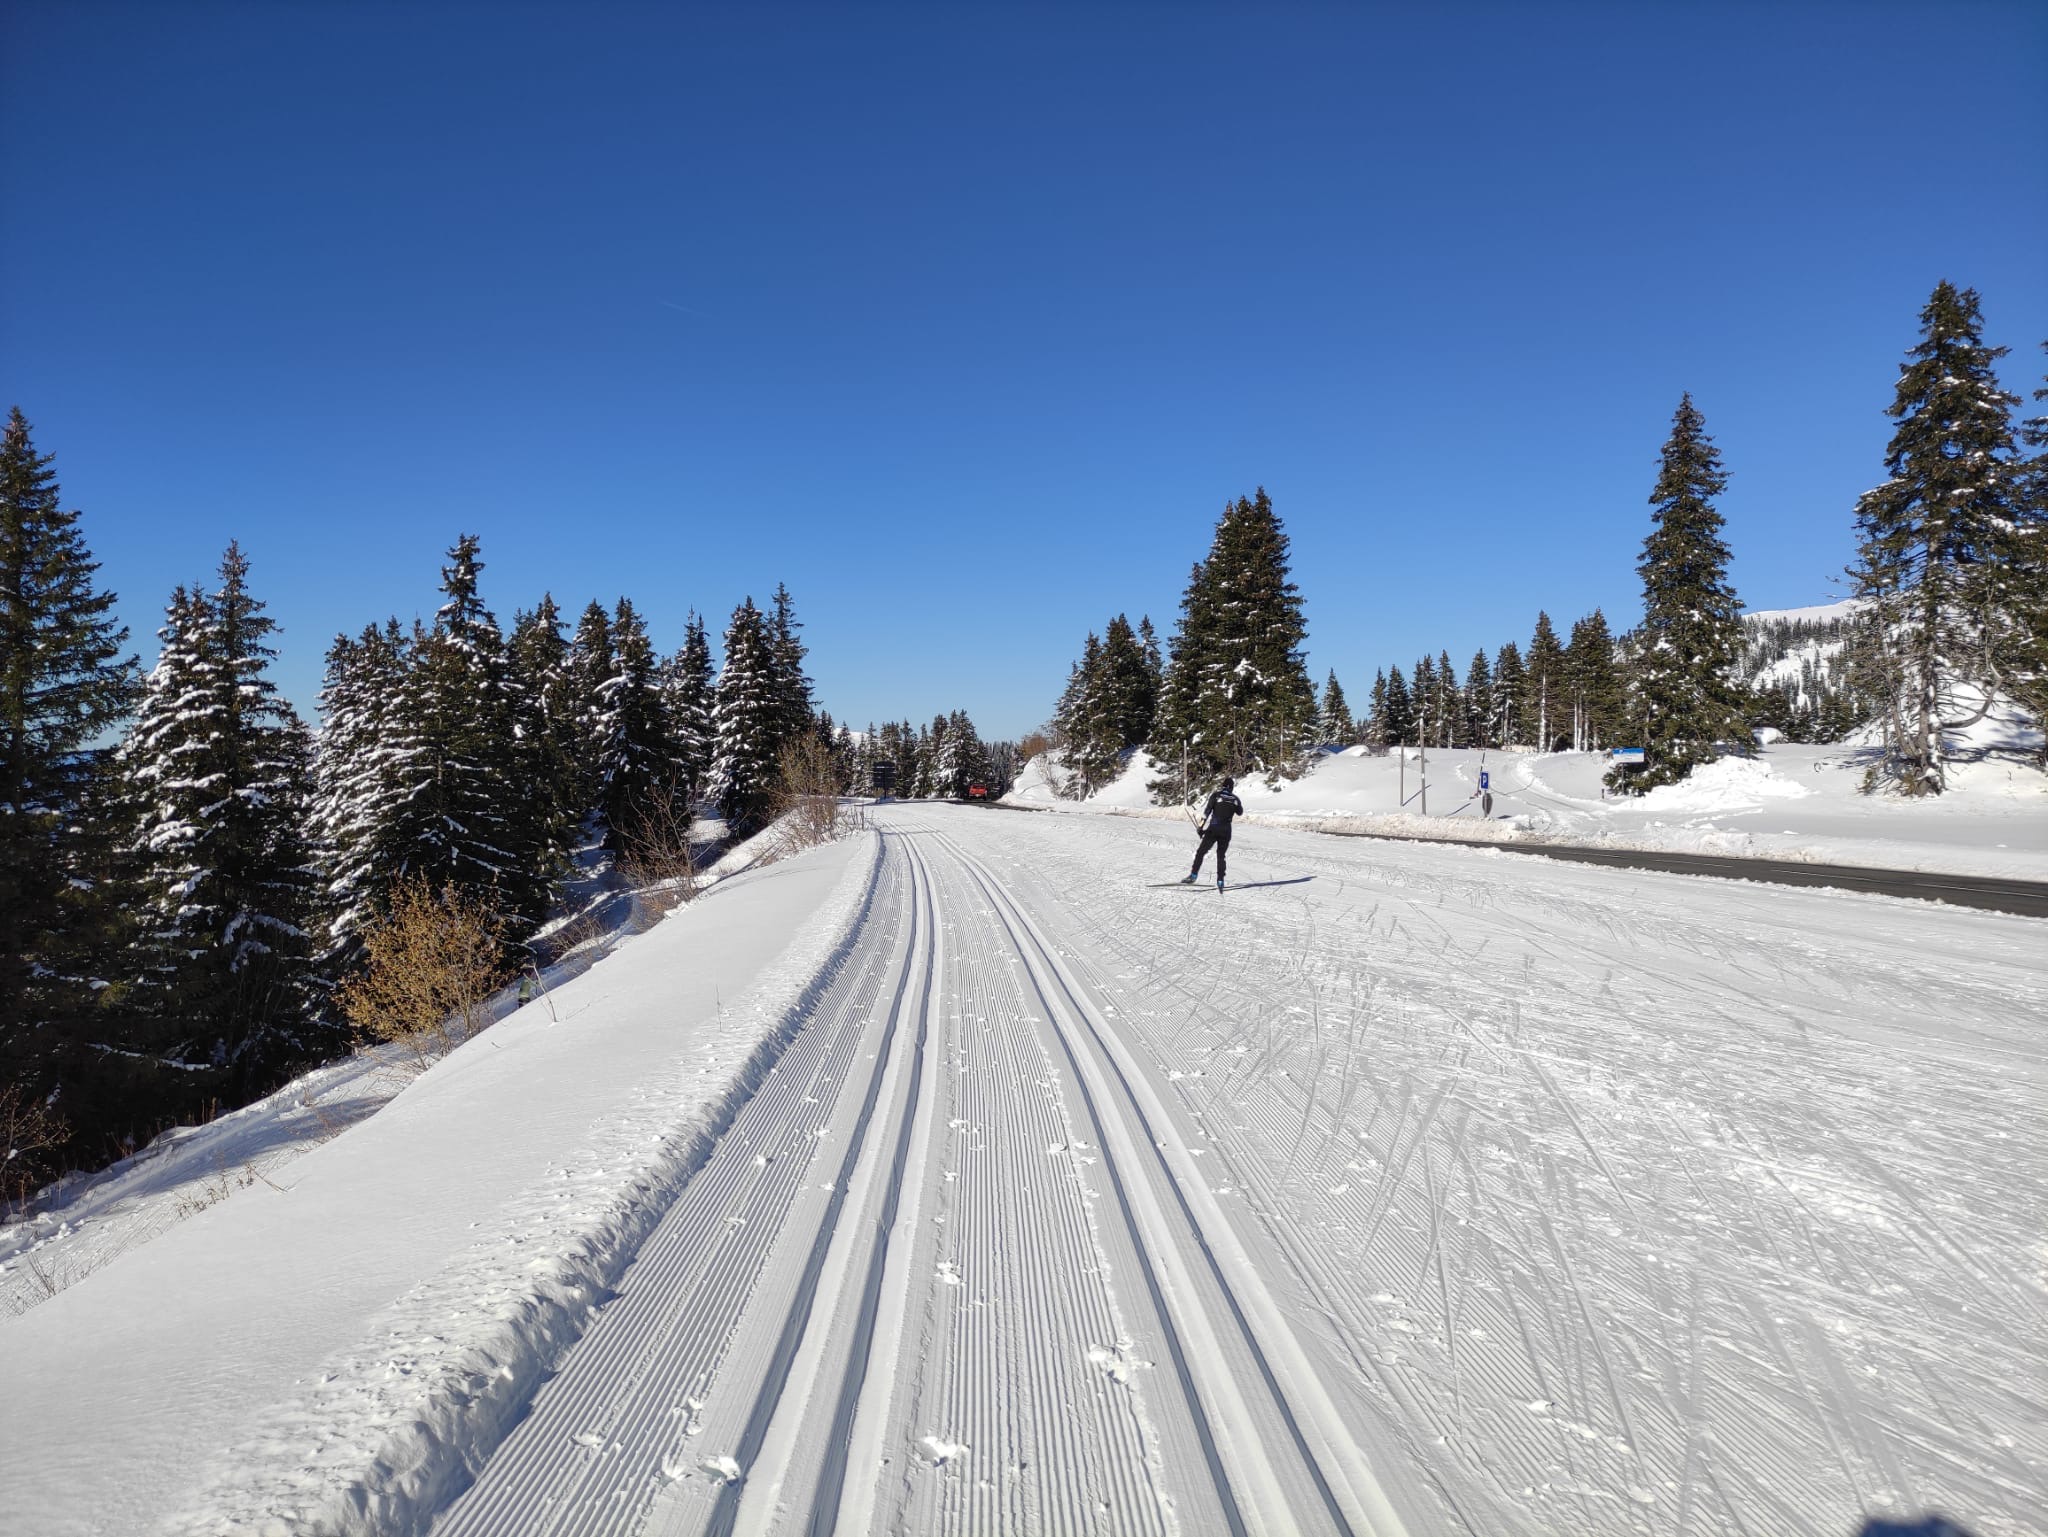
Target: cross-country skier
x: 1215, y: 830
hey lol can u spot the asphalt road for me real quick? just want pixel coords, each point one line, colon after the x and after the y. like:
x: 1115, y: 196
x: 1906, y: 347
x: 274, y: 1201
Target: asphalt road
x: 2027, y: 898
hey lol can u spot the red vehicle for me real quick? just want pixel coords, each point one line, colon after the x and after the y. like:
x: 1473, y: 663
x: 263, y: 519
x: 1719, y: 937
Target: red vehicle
x: 977, y: 792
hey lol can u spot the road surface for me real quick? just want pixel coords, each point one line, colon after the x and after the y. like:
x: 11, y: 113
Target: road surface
x: 1419, y: 1190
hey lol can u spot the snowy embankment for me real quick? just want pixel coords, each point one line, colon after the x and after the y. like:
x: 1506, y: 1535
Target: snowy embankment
x: 341, y: 1335
x: 1788, y: 802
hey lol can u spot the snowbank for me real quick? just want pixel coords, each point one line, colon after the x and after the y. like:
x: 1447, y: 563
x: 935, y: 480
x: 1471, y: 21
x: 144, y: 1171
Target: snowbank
x: 1790, y: 802
x: 335, y: 1344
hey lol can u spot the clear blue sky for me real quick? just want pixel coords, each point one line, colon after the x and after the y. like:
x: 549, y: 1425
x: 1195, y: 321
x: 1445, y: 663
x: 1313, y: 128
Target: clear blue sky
x: 966, y: 321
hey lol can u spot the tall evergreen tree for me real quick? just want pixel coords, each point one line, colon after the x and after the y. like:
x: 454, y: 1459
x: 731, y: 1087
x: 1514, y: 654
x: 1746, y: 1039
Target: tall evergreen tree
x: 636, y: 753
x: 547, y: 719
x: 2026, y: 669
x: 792, y: 685
x: 1478, y: 702
x: 1236, y: 698
x: 1398, y: 717
x: 689, y: 695
x: 63, y: 685
x: 1449, y: 703
x: 591, y: 664
x: 1687, y: 697
x: 1943, y: 549
x: 752, y: 702
x: 1543, y: 696
x: 355, y: 784
x: 1376, y: 720
x: 1128, y: 694
x: 220, y: 769
x: 457, y: 819
x: 1509, y: 688
x: 1592, y: 685
x: 1336, y: 725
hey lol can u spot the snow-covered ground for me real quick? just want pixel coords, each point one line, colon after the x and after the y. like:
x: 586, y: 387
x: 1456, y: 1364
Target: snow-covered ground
x: 1402, y: 1189
x: 1788, y: 802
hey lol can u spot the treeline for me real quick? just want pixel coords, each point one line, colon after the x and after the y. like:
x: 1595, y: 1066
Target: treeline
x: 187, y: 871
x: 1951, y: 568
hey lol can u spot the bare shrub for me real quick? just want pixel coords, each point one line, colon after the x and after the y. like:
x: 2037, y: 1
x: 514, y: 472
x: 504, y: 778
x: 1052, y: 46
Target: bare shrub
x: 807, y: 794
x: 1034, y: 743
x: 430, y: 966
x: 657, y: 857
x: 29, y: 1130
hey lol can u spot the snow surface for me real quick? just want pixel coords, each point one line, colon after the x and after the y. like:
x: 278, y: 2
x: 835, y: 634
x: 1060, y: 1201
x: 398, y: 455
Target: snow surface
x: 1789, y: 802
x: 1402, y: 1189
x: 339, y: 1339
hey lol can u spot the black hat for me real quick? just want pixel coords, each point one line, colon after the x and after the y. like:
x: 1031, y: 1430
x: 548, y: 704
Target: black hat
x: 1229, y: 783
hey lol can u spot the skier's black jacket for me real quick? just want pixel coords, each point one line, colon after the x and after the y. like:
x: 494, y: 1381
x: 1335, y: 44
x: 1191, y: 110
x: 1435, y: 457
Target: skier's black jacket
x: 1223, y: 805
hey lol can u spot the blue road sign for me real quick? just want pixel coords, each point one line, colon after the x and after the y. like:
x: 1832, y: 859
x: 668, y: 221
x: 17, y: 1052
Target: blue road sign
x: 1485, y: 780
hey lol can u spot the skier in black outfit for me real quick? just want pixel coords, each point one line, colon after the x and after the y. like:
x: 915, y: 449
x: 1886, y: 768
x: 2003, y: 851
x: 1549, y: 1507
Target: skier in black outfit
x: 1223, y: 805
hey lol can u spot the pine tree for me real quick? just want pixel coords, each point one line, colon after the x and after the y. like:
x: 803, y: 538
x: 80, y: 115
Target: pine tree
x: 457, y: 819
x: 1376, y: 721
x: 1543, y: 696
x: 1687, y: 698
x: 1478, y: 702
x: 355, y: 787
x: 1423, y: 691
x: 591, y: 664
x: 689, y: 695
x: 2026, y: 669
x: 1128, y: 692
x: 748, y: 716
x: 219, y: 766
x: 1592, y: 686
x: 636, y: 755
x: 1236, y: 698
x: 1336, y: 724
x: 792, y: 685
x: 1088, y: 721
x: 1398, y: 718
x: 1449, y: 703
x: 1509, y: 688
x: 63, y: 685
x: 1944, y: 549
x: 547, y: 718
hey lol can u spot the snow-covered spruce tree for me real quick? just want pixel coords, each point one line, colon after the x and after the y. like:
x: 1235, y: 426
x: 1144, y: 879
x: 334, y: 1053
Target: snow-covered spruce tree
x: 961, y: 758
x: 63, y: 685
x: 590, y: 669
x: 2026, y: 673
x: 219, y: 767
x: 1236, y: 698
x: 1450, y: 703
x: 1130, y: 690
x: 1592, y: 683
x: 636, y: 756
x: 458, y: 820
x: 1509, y: 686
x: 354, y: 788
x: 1335, y: 725
x: 747, y: 717
x: 1085, y: 722
x: 547, y: 725
x: 689, y: 696
x: 1423, y: 692
x: 1478, y: 702
x: 792, y: 685
x: 1543, y: 693
x: 1942, y: 549
x: 1398, y: 720
x: 1687, y: 701
x: 1375, y: 724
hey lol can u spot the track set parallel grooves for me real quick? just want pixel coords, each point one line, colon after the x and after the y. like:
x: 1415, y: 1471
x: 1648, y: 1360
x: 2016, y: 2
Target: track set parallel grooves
x: 1077, y: 1207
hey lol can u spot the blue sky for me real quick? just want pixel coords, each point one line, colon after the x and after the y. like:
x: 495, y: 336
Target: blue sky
x: 966, y: 321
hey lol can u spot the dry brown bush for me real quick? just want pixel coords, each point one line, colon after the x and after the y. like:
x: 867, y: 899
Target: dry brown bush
x: 1034, y: 743
x: 429, y: 968
x: 657, y: 855
x: 807, y: 796
x: 29, y: 1129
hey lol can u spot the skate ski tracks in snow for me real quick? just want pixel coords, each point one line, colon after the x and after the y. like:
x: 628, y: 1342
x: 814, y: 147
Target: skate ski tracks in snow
x: 1426, y: 1195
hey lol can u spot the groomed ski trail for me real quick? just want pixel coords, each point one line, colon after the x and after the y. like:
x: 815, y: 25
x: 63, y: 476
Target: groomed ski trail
x: 940, y: 1275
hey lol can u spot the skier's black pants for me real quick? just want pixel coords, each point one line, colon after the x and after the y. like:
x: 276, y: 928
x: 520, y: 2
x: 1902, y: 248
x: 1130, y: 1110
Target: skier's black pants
x: 1220, y: 842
